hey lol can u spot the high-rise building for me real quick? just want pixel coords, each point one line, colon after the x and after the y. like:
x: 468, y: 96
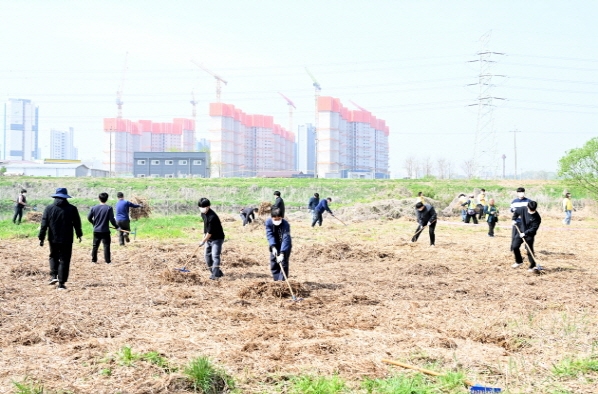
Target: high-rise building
x: 350, y: 143
x: 20, y: 139
x: 248, y: 145
x: 306, y: 148
x: 61, y: 145
x: 124, y: 137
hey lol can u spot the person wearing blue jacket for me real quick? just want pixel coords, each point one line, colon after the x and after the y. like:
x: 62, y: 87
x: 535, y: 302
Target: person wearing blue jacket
x: 278, y: 233
x: 122, y: 217
x: 319, y: 211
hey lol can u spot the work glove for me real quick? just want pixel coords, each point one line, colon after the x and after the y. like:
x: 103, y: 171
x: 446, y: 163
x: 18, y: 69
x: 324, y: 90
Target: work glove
x: 280, y: 258
x: 41, y: 242
x: 514, y: 223
x: 522, y: 235
x: 274, y: 251
x: 429, y: 223
x: 80, y: 239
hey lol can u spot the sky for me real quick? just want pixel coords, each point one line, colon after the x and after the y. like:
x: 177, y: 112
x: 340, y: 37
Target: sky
x: 414, y: 64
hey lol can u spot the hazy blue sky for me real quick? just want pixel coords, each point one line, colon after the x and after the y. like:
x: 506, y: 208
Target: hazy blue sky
x: 405, y: 61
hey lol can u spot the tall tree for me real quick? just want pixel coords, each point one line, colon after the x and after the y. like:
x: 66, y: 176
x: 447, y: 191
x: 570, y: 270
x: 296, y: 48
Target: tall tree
x: 580, y: 166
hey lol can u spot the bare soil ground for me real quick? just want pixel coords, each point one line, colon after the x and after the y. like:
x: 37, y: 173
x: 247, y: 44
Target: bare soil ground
x: 368, y: 294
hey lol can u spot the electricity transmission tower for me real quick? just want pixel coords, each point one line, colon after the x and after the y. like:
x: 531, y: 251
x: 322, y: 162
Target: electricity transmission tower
x: 485, y: 150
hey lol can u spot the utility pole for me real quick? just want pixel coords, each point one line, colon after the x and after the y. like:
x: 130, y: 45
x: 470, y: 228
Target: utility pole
x: 515, y: 147
x: 503, y: 165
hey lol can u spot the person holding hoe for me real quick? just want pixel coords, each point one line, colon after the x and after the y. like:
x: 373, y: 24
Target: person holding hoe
x: 426, y: 216
x: 122, y: 217
x: 213, y: 238
x: 526, y: 222
x: 278, y: 233
x: 319, y: 211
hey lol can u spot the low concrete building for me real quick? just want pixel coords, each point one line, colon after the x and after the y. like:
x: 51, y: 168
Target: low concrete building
x: 55, y: 169
x: 171, y: 164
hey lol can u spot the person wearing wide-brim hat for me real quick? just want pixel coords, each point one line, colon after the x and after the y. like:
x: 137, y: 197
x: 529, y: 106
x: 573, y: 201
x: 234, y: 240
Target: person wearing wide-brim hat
x: 59, y: 220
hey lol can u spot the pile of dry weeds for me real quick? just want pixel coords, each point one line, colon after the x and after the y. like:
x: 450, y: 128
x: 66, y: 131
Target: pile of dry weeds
x: 144, y: 212
x: 263, y: 289
x: 34, y: 217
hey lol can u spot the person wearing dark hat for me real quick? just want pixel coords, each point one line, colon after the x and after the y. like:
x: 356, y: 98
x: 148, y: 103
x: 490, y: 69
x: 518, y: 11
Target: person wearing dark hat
x: 313, y: 202
x: 526, y: 222
x: 19, y: 207
x: 278, y: 234
x: 247, y: 215
x: 213, y: 237
x: 278, y: 203
x: 58, y: 221
x: 101, y: 216
x: 122, y: 217
x: 426, y: 216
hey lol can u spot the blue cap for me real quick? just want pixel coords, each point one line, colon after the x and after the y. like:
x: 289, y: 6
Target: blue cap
x: 61, y: 192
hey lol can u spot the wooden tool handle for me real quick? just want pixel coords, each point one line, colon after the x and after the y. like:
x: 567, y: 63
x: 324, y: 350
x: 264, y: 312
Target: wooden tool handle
x: 422, y: 370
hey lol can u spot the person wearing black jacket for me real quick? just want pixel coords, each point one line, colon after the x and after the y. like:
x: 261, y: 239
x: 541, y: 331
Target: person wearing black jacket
x: 426, y: 216
x: 313, y: 202
x: 58, y: 221
x: 213, y: 237
x: 19, y: 207
x: 278, y: 203
x: 101, y: 216
x: 525, y: 228
x: 247, y: 215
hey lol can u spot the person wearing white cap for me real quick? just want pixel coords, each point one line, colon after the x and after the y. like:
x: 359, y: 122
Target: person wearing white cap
x: 58, y: 221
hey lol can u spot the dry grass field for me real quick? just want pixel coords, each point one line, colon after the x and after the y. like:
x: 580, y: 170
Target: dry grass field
x: 368, y: 294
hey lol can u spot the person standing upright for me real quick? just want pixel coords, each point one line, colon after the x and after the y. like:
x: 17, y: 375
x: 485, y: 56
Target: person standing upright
x: 462, y: 202
x: 313, y: 202
x: 319, y: 211
x: 526, y: 222
x: 568, y: 208
x: 58, y: 221
x: 420, y: 198
x: 426, y: 216
x: 482, y: 202
x: 278, y: 203
x: 492, y: 219
x: 19, y: 207
x: 101, y: 216
x: 122, y: 217
x: 278, y: 234
x: 213, y: 238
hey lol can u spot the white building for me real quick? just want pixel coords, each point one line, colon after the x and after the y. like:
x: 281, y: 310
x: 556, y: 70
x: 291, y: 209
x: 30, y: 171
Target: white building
x: 20, y: 140
x: 306, y: 148
x: 61, y: 145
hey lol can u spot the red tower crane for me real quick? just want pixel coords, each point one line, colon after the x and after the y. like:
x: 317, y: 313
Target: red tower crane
x: 291, y: 106
x: 219, y: 79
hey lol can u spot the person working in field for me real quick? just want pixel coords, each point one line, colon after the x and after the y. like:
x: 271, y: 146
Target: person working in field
x: 278, y: 203
x: 567, y: 207
x: 420, y: 198
x: 247, y: 215
x: 526, y: 222
x: 20, y: 205
x: 482, y: 203
x: 278, y: 234
x: 313, y: 202
x: 319, y: 211
x: 58, y: 221
x: 462, y: 202
x: 213, y: 238
x: 122, y: 217
x: 426, y: 216
x: 492, y: 219
x: 101, y: 216
x: 470, y: 212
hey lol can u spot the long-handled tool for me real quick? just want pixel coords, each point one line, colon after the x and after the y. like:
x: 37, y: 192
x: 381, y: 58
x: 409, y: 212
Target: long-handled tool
x: 339, y: 220
x: 473, y: 388
x: 184, y: 269
x: 420, y: 230
x: 293, y: 298
x: 124, y: 231
x: 538, y: 267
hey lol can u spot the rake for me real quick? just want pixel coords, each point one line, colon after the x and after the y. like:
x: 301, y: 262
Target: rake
x: 184, y: 269
x: 538, y: 267
x: 339, y: 220
x: 473, y: 388
x: 293, y: 298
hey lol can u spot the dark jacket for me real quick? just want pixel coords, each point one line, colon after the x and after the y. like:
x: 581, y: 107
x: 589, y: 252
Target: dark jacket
x: 528, y: 223
x: 426, y: 216
x: 248, y: 212
x: 279, y: 236
x: 313, y: 203
x: 122, y: 209
x: 59, y: 220
x: 492, y: 213
x: 517, y: 203
x: 323, y: 206
x: 279, y: 203
x: 101, y: 216
x: 212, y: 225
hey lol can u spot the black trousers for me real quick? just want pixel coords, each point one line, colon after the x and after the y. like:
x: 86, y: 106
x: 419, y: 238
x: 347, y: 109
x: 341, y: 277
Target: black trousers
x: 246, y: 219
x: 18, y: 213
x: 420, y: 230
x: 104, y: 238
x: 491, y: 226
x: 516, y: 243
x: 474, y: 217
x: 124, y: 225
x: 317, y: 218
x: 60, y: 261
x: 275, y: 266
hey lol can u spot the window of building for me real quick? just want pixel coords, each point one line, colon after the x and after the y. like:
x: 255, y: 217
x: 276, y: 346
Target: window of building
x: 140, y: 162
x: 155, y: 162
x: 169, y: 162
x: 141, y: 176
x: 197, y: 162
x: 169, y: 176
x: 182, y: 162
x: 155, y: 175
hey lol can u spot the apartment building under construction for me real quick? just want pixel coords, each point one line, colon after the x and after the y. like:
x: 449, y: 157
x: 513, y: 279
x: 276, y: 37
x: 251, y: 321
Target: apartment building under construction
x: 123, y: 137
x: 350, y: 144
x: 248, y: 145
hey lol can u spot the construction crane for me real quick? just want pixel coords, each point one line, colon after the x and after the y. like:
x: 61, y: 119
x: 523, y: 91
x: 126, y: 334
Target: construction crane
x: 219, y: 79
x: 358, y: 106
x: 317, y: 89
x: 119, y: 92
x: 193, y: 103
x: 291, y: 106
